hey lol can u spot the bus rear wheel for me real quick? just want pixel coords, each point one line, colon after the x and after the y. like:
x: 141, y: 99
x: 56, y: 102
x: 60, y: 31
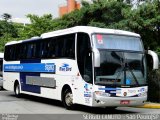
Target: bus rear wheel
x: 17, y: 90
x: 68, y: 99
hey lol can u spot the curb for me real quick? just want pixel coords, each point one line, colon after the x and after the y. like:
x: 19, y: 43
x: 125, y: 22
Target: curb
x: 150, y: 105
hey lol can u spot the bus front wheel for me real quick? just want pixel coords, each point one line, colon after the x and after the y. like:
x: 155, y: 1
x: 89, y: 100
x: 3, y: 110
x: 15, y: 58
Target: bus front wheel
x: 68, y: 99
x: 17, y: 90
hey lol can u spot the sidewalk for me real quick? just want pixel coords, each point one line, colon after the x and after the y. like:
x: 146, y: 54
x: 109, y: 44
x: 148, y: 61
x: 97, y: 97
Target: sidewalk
x: 150, y: 105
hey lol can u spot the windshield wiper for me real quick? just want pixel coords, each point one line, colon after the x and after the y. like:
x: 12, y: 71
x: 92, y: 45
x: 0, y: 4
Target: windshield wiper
x: 121, y: 70
x: 133, y: 76
x: 125, y: 69
x: 119, y: 73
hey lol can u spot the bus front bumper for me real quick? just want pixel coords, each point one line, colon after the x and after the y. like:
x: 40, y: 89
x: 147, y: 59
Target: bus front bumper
x: 118, y: 101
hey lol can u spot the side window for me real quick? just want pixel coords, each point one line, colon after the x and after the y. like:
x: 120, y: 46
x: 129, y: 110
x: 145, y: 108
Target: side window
x: 18, y: 51
x: 51, y: 48
x: 31, y: 50
x: 59, y: 47
x: 10, y: 53
x: 1, y: 64
x: 62, y: 47
x: 84, y: 57
x: 69, y: 46
x: 43, y: 45
x: 6, y: 53
x: 55, y: 47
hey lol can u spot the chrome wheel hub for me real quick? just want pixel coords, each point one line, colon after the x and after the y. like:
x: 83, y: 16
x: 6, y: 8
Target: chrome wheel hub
x: 69, y: 99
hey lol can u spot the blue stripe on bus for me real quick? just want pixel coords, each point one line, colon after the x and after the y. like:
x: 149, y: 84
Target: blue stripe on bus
x: 112, y: 92
x: 109, y: 89
x: 30, y: 67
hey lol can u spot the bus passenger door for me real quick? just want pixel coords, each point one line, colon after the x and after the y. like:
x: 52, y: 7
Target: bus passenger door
x: 84, y: 61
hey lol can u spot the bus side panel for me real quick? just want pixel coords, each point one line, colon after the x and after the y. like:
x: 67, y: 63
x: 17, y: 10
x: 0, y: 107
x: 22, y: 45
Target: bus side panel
x: 26, y: 87
x: 10, y: 77
x: 49, y: 92
x: 9, y: 80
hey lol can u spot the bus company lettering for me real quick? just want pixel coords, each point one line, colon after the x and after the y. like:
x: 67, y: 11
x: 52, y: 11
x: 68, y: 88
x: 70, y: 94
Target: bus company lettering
x: 49, y: 67
x: 65, y: 67
x: 14, y: 67
x: 132, y: 90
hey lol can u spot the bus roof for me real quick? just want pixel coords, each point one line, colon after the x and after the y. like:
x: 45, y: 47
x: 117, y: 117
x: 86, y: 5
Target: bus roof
x: 85, y: 29
x: 89, y: 30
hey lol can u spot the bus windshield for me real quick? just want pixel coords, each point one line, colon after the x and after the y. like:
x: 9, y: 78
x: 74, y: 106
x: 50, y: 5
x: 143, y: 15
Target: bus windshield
x: 121, y: 63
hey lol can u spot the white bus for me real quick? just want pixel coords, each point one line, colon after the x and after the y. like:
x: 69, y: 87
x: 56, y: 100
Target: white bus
x: 81, y: 65
x: 1, y: 68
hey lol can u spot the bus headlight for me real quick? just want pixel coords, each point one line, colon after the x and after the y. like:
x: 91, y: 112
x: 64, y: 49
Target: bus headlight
x: 99, y: 93
x: 103, y: 94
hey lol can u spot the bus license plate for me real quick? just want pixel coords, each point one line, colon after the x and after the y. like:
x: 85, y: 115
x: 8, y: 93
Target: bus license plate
x: 124, y: 102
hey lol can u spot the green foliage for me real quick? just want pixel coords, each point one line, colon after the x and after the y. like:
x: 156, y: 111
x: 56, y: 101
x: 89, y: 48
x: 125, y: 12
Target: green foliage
x: 145, y: 20
x: 85, y: 4
x: 115, y: 14
x: 38, y: 25
x: 6, y: 16
x: 7, y: 28
x: 8, y: 32
x: 4, y: 39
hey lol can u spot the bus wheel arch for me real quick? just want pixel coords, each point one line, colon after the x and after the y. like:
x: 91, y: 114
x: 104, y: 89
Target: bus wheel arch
x: 17, y: 88
x: 67, y: 97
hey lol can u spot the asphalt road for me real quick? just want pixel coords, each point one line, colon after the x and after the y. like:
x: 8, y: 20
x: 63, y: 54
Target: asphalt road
x: 41, y: 108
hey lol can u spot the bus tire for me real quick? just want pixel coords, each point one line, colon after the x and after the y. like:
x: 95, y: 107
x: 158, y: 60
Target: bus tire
x: 67, y: 99
x: 17, y: 90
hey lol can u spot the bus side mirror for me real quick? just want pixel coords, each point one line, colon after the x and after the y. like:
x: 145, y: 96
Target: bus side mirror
x: 154, y: 58
x: 96, y: 57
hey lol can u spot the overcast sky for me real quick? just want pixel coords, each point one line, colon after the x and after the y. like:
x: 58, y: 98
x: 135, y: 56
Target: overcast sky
x: 20, y: 8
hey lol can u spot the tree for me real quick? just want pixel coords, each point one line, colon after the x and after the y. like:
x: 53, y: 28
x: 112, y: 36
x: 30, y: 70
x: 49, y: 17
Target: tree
x: 144, y: 20
x: 6, y: 16
x: 38, y: 25
x: 8, y: 28
x: 4, y: 39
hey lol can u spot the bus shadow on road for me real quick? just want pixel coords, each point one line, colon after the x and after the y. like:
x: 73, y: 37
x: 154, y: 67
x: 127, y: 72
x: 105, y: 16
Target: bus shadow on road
x: 40, y: 100
x: 82, y: 108
x: 97, y: 110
